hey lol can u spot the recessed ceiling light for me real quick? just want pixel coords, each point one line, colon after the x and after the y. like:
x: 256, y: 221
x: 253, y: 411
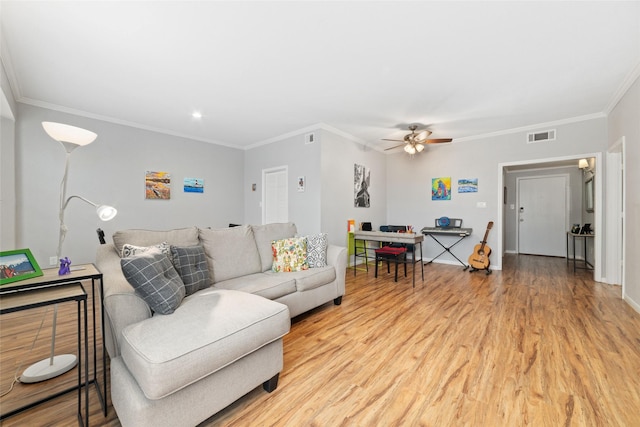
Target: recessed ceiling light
x: 196, y: 115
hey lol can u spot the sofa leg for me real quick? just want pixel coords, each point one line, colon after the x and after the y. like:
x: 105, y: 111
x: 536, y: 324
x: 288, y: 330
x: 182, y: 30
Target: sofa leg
x: 338, y: 301
x: 271, y: 384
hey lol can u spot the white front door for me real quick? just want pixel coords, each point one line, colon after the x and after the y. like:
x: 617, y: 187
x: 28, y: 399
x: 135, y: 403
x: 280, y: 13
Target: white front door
x: 275, y: 200
x: 542, y: 215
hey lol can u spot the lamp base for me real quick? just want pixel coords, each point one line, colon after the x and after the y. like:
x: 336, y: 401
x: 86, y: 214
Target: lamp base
x: 44, y: 369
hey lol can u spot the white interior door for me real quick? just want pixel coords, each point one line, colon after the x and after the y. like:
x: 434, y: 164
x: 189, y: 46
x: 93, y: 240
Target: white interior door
x: 542, y: 215
x: 275, y: 200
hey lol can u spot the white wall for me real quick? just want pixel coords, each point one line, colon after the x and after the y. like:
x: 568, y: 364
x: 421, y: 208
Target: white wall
x: 409, y: 179
x: 624, y: 120
x: 7, y: 164
x: 301, y: 160
x: 327, y: 202
x: 111, y: 170
x: 339, y: 155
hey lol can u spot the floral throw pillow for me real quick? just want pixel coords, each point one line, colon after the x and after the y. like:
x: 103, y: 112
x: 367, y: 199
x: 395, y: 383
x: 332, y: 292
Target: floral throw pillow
x: 289, y: 255
x: 317, y: 250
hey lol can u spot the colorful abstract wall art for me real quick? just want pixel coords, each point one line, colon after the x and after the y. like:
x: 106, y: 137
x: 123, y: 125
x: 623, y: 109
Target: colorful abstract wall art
x: 441, y: 188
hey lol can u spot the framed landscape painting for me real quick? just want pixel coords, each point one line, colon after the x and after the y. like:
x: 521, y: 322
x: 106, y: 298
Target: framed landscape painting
x: 18, y: 265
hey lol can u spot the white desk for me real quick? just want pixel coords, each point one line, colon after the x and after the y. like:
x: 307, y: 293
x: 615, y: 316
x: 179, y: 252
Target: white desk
x: 412, y: 239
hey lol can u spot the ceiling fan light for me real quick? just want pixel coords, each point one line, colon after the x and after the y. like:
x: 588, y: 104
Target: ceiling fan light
x: 409, y: 148
x: 419, y: 148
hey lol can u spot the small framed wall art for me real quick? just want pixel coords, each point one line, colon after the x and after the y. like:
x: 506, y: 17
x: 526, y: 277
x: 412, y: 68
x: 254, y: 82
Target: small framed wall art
x: 18, y: 265
x: 157, y: 185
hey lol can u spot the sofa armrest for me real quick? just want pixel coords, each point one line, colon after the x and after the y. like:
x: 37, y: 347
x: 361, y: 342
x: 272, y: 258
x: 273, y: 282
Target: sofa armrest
x: 122, y: 306
x: 337, y: 257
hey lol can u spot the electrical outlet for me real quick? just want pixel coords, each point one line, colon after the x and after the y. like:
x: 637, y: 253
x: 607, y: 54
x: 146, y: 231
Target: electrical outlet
x: 53, y: 260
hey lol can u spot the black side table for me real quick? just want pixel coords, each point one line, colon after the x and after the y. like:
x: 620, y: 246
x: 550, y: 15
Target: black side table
x: 29, y: 298
x: 78, y: 273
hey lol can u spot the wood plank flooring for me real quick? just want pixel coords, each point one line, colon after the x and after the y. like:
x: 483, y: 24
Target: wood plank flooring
x: 534, y: 344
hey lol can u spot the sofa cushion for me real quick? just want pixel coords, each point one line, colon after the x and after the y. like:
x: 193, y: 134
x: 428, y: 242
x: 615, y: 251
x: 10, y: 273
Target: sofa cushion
x: 271, y: 286
x: 191, y: 264
x: 266, y: 234
x: 155, y: 279
x: 317, y: 250
x: 290, y: 255
x: 231, y: 252
x: 178, y: 237
x: 210, y: 330
x: 311, y: 278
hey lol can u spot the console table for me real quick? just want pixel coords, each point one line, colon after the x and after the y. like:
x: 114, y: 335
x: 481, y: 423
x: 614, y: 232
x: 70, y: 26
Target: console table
x: 573, y: 237
x: 29, y: 298
x: 50, y: 278
x: 412, y: 239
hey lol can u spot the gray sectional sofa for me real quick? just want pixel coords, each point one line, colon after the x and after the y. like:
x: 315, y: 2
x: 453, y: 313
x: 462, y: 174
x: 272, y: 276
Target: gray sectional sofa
x: 220, y: 341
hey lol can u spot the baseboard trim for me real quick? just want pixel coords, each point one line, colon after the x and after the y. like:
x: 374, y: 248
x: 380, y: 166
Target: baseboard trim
x: 632, y: 303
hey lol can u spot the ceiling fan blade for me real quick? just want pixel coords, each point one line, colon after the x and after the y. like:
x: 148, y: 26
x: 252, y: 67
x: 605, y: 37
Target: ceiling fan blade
x: 391, y: 148
x: 437, y: 140
x: 422, y: 135
x: 395, y: 140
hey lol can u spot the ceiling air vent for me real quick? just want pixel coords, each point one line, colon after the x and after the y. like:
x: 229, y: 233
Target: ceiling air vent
x: 547, y: 135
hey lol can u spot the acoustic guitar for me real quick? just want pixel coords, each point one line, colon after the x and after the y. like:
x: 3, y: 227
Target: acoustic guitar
x: 479, y: 259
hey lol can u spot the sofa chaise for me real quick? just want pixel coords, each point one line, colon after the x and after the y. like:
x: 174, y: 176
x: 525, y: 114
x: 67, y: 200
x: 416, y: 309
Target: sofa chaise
x: 219, y: 341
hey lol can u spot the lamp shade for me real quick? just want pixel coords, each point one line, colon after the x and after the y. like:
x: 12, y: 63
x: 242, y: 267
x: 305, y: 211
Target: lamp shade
x: 419, y: 148
x: 583, y: 163
x: 409, y: 148
x: 70, y: 134
x: 106, y: 213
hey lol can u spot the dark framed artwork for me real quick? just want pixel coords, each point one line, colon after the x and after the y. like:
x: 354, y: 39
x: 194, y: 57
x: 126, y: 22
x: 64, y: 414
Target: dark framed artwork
x: 18, y: 265
x: 361, y: 185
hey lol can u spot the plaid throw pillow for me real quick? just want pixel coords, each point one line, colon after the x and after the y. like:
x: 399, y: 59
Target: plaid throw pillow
x: 191, y: 264
x: 153, y: 277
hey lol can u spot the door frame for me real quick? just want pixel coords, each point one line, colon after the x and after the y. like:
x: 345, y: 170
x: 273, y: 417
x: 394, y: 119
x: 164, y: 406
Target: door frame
x: 567, y: 186
x: 616, y: 239
x: 598, y: 222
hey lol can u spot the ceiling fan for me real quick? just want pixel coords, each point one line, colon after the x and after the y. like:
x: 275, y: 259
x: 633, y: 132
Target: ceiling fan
x: 414, y: 142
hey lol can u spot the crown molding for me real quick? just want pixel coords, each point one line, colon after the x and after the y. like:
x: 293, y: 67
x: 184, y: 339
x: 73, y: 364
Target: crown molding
x: 108, y: 119
x: 307, y: 129
x: 623, y: 88
x: 536, y: 126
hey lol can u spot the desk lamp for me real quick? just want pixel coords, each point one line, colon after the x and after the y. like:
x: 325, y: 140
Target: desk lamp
x: 70, y: 137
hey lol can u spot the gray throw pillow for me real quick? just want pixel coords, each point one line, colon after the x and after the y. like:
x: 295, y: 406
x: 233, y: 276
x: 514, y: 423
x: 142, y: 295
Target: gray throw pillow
x: 155, y: 279
x: 191, y: 264
x: 317, y: 250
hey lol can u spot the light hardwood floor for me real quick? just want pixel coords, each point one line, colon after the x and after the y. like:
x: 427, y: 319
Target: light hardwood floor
x: 534, y: 344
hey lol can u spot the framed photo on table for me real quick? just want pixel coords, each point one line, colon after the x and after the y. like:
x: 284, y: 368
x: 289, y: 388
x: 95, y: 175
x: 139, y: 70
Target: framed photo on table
x: 18, y: 265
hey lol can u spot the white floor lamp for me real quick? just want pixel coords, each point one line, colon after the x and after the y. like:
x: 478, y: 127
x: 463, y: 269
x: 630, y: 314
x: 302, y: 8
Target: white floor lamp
x: 70, y: 137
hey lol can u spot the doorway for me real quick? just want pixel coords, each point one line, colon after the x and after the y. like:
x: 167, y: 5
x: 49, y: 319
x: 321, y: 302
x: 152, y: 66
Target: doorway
x: 542, y: 215
x: 275, y: 197
x: 501, y: 213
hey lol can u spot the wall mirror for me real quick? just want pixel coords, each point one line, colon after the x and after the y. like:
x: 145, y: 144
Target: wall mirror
x: 588, y: 195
